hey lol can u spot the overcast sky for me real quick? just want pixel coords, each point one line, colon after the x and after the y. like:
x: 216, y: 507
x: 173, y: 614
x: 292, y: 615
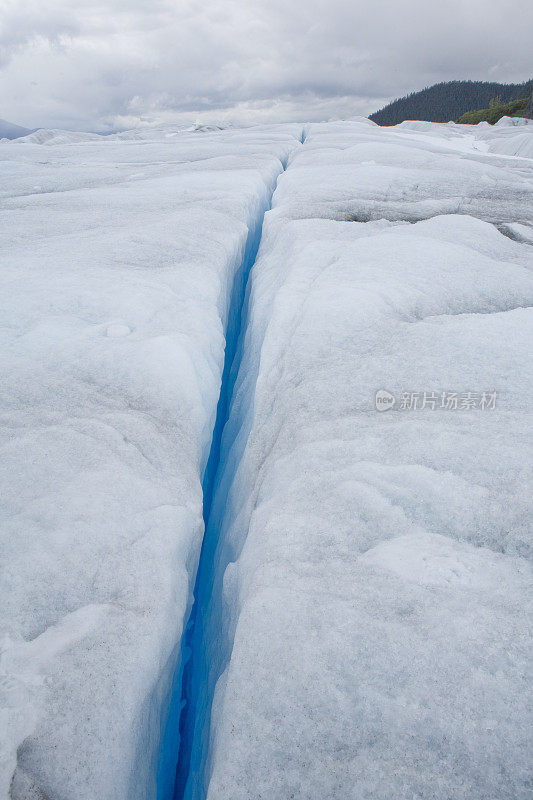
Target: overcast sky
x: 93, y: 65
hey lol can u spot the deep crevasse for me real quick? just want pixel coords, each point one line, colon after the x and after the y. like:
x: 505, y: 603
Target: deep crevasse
x: 190, y: 703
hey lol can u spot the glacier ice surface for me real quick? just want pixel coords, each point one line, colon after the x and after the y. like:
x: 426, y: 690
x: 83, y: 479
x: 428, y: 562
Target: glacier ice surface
x: 118, y: 260
x: 366, y: 629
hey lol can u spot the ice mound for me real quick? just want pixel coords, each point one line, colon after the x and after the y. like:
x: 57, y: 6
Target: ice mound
x: 416, y: 125
x: 519, y: 145
x: 353, y: 174
x: 367, y: 632
x: 511, y: 122
x: 23, y: 669
x: 145, y: 133
x: 117, y: 266
x: 522, y: 233
x: 44, y: 136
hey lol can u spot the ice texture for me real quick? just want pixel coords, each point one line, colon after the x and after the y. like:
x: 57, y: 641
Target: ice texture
x: 118, y: 259
x: 368, y: 630
x: 362, y: 623
x: 351, y: 172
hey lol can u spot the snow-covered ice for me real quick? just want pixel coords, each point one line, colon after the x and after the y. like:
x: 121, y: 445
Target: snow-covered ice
x: 116, y: 276
x: 354, y: 172
x: 362, y: 630
x: 372, y: 583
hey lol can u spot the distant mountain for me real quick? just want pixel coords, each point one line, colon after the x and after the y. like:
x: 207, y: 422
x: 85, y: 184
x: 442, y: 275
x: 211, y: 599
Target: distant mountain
x: 449, y: 101
x: 10, y: 131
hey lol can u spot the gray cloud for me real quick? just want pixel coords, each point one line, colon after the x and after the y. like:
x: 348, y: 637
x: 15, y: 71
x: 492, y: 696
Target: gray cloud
x: 94, y: 65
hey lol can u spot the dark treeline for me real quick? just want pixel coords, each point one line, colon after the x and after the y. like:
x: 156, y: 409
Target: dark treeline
x: 449, y: 101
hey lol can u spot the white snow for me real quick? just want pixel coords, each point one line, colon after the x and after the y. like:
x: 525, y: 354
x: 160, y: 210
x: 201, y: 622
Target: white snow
x: 24, y: 666
x: 512, y: 122
x: 116, y: 276
x: 367, y: 633
x: 47, y: 136
x: 521, y: 144
x: 348, y: 171
x: 523, y: 233
x: 375, y: 581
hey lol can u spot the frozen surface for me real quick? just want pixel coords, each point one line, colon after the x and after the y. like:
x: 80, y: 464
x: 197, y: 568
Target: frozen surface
x: 118, y: 260
x: 368, y: 631
x: 355, y: 172
x: 363, y: 634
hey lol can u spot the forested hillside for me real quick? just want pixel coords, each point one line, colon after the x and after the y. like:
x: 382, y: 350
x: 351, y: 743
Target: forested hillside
x: 449, y: 101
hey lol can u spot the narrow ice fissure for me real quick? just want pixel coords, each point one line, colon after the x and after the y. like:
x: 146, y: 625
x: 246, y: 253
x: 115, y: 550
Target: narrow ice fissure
x: 180, y: 770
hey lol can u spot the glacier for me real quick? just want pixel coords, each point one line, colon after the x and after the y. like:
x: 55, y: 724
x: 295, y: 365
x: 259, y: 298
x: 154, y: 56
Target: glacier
x: 221, y: 561
x: 118, y: 262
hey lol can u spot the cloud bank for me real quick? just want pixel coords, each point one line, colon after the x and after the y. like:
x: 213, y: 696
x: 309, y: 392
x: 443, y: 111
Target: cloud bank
x: 102, y: 66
